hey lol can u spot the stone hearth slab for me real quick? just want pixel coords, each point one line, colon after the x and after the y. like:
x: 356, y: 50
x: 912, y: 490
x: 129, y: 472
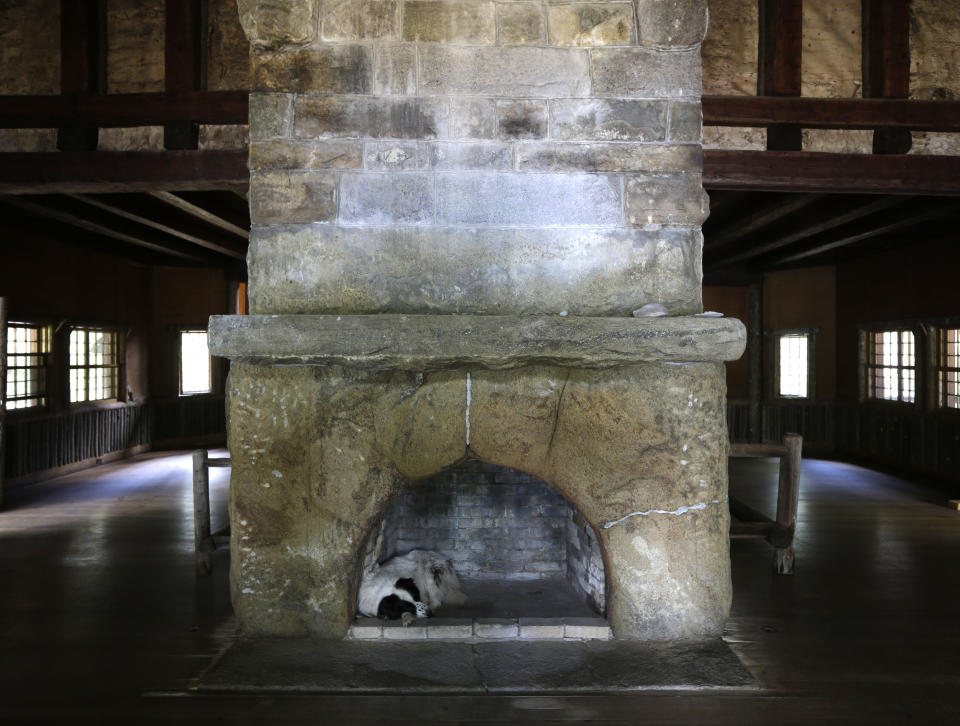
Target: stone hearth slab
x: 426, y: 343
x: 318, y: 666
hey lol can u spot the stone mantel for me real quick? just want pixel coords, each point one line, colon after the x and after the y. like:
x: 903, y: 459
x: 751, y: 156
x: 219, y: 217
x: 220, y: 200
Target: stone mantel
x: 424, y: 343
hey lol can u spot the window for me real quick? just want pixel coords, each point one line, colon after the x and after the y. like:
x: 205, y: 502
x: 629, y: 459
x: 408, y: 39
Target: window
x: 94, y: 364
x: 194, y: 362
x: 948, y: 368
x: 28, y: 353
x: 793, y: 369
x: 891, y: 362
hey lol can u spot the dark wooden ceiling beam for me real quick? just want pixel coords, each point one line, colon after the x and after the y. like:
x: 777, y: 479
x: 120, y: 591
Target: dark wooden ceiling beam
x: 886, y: 64
x: 16, y: 222
x: 61, y: 210
x: 803, y: 171
x: 192, y: 205
x: 841, y: 211
x: 83, y: 64
x: 120, y: 171
x: 126, y: 109
x: 132, y: 207
x: 779, y: 63
x: 757, y: 220
x: 831, y: 113
x: 899, y: 223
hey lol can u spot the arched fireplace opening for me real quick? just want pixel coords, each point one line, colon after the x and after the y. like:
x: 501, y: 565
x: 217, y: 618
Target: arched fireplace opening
x: 520, y: 548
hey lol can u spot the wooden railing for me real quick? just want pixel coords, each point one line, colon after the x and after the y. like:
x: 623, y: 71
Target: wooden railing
x: 926, y: 442
x: 45, y: 444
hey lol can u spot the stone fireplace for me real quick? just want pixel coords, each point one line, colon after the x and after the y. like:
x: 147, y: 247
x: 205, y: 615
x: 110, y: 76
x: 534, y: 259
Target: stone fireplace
x: 456, y: 208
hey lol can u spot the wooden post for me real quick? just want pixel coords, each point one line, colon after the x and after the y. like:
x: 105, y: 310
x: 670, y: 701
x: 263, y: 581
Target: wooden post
x: 886, y: 64
x: 788, y: 498
x: 780, y: 51
x: 755, y: 369
x: 3, y: 390
x: 83, y: 64
x: 185, y: 63
x: 202, y: 539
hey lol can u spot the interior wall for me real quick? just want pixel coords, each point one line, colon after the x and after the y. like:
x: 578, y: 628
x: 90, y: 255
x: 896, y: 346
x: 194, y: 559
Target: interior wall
x: 181, y: 298
x: 733, y: 302
x: 50, y: 281
x: 915, y: 282
x: 805, y: 298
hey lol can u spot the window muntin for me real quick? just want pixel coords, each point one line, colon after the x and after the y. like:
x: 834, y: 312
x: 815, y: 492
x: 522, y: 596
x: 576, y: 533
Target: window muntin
x: 892, y: 365
x: 94, y: 368
x: 948, y: 368
x: 28, y: 355
x: 194, y: 363
x: 793, y: 360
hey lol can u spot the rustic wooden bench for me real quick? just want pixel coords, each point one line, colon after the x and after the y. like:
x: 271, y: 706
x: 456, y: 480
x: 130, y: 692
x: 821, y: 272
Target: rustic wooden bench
x: 746, y: 522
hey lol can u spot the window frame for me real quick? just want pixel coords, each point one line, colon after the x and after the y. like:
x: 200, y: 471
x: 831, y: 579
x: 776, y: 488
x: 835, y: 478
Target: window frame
x: 212, y: 374
x: 811, y: 334
x: 119, y: 366
x: 45, y: 366
x: 867, y: 335
x: 939, y: 367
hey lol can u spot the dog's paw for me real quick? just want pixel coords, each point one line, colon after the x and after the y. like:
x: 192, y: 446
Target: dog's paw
x: 407, y: 619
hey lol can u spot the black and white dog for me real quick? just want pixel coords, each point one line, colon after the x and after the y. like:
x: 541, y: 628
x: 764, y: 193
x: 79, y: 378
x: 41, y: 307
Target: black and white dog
x: 409, y: 586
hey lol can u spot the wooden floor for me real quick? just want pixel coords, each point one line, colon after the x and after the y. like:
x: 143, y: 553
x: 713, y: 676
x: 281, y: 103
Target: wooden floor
x: 103, y: 621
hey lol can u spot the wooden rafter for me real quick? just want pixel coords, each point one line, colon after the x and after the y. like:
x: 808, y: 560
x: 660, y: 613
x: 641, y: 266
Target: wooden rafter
x: 803, y: 171
x: 120, y: 171
x: 200, y: 212
x: 761, y: 218
x: 841, y: 211
x: 132, y: 208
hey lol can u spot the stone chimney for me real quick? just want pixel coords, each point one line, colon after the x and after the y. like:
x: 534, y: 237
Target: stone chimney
x: 456, y: 206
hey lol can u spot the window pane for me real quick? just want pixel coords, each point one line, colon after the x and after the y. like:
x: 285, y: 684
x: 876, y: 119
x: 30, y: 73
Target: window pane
x: 28, y: 349
x: 948, y: 368
x: 793, y: 365
x: 194, y: 363
x: 94, y: 364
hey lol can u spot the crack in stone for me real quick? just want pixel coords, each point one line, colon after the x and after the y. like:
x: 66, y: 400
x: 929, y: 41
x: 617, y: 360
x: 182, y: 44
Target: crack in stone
x: 556, y: 417
x: 676, y: 512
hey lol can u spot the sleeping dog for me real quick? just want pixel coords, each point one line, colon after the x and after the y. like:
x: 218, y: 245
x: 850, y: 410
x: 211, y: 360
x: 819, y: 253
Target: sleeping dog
x: 409, y: 586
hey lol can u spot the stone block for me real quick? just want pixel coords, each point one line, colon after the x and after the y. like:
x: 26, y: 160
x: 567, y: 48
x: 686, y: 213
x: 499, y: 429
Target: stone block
x: 386, y: 198
x: 586, y: 628
x: 396, y: 630
x: 592, y: 24
x: 666, y: 199
x: 522, y: 119
x: 521, y: 23
x: 473, y: 118
x: 271, y: 115
x: 339, y: 117
x: 449, y: 629
x: 511, y: 71
x: 304, y: 155
x: 366, y: 629
x: 327, y: 69
x: 686, y: 122
x: 674, y: 23
x: 495, y: 628
x: 608, y: 120
x: 445, y: 156
x: 395, y: 69
x: 293, y: 198
x: 348, y: 20
x: 541, y: 629
x: 271, y: 25
x: 330, y: 269
x: 604, y: 157
x: 395, y: 155
x: 450, y: 21
x: 646, y: 72
x: 529, y: 200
